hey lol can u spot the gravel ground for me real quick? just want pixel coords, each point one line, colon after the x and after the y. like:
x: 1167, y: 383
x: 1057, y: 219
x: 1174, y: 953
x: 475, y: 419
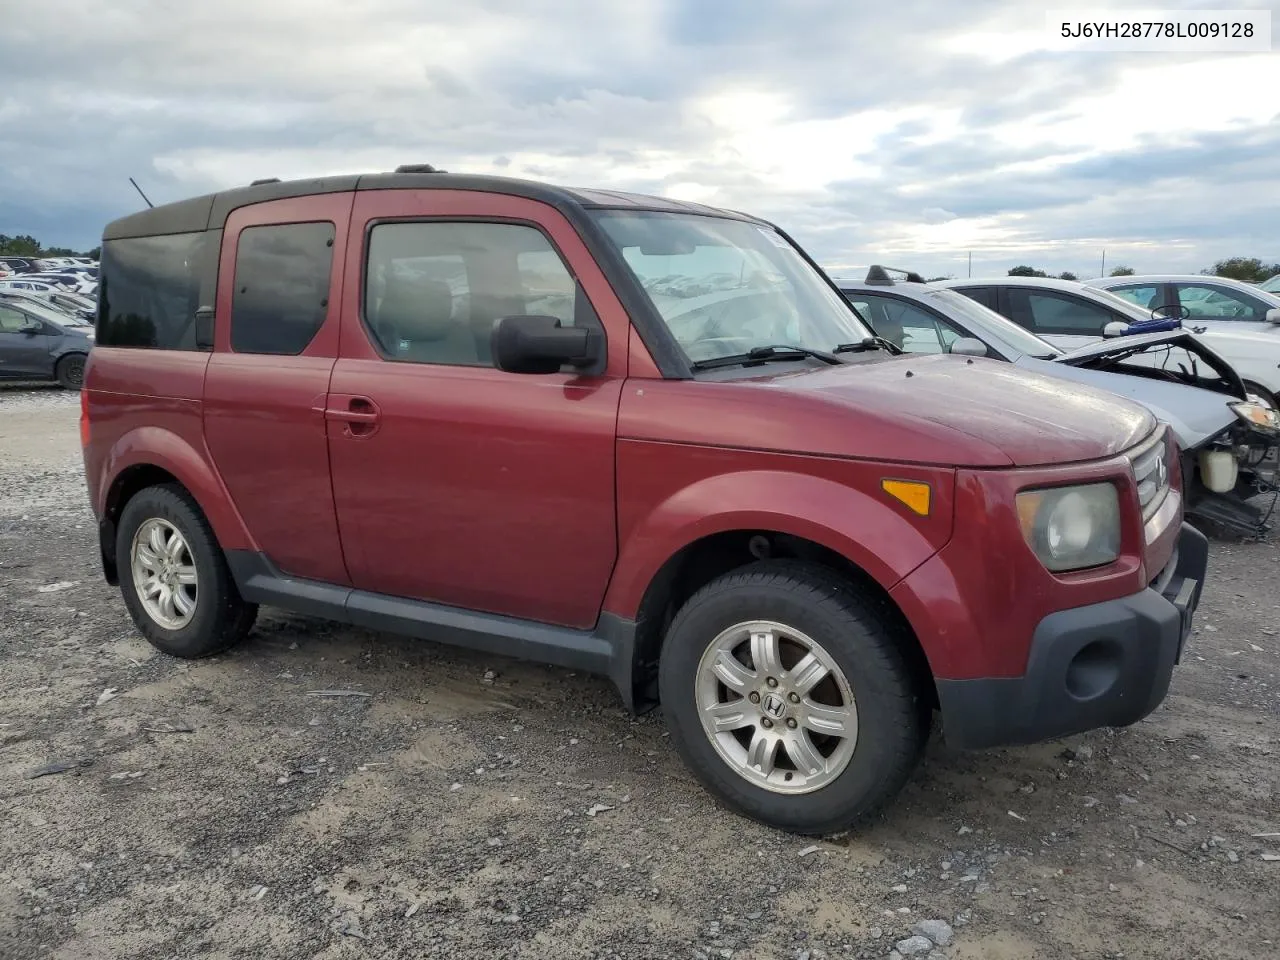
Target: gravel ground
x: 467, y: 806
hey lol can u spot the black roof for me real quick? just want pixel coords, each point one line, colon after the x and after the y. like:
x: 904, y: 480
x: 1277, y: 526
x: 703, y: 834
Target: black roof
x: 210, y: 212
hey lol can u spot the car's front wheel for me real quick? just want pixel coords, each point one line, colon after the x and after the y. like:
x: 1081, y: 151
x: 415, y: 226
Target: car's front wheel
x: 788, y: 696
x: 174, y: 578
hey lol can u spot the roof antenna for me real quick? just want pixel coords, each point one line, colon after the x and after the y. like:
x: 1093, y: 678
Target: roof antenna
x: 140, y: 193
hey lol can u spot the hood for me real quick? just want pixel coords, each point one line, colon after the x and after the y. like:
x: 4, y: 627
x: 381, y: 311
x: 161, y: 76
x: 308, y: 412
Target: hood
x: 964, y: 412
x: 1194, y: 414
x: 1119, y: 345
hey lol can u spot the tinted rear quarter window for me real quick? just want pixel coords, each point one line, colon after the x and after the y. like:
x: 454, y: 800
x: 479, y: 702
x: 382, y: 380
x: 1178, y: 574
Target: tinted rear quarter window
x: 983, y: 295
x: 151, y: 287
x: 281, y: 293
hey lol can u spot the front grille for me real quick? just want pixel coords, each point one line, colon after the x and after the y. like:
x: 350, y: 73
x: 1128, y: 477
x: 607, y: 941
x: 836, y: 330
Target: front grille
x: 1151, y: 471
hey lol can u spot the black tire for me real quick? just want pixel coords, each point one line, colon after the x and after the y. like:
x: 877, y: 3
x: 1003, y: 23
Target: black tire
x: 221, y: 618
x: 70, y: 371
x: 893, y: 718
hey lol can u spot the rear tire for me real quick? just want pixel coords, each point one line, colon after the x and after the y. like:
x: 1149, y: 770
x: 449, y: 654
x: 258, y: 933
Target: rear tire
x: 174, y: 577
x: 70, y: 371
x: 728, y: 699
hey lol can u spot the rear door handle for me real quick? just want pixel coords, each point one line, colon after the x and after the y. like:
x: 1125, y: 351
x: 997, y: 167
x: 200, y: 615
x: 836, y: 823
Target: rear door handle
x: 359, y: 414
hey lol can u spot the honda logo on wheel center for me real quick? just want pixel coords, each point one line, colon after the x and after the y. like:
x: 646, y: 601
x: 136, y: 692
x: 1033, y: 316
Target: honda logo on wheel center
x: 773, y: 706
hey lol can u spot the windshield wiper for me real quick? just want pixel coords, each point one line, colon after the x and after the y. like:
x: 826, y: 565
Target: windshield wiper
x: 869, y: 343
x: 783, y: 351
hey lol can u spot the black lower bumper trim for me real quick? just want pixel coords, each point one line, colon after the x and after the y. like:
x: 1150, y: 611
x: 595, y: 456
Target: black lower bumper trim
x: 1105, y: 665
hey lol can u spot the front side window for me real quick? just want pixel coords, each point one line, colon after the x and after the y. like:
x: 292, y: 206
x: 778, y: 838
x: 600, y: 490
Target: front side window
x: 434, y: 289
x: 1207, y: 302
x: 907, y: 326
x: 1145, y: 298
x: 724, y: 287
x: 281, y: 287
x: 1043, y: 311
x: 13, y: 321
x: 150, y: 290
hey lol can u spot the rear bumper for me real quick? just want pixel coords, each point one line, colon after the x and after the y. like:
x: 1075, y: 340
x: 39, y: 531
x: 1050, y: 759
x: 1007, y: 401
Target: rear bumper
x: 1103, y: 665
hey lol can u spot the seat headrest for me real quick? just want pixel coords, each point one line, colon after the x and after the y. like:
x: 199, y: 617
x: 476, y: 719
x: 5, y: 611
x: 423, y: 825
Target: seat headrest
x: 416, y: 309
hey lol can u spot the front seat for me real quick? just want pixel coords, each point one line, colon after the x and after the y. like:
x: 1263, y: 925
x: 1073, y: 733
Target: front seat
x: 416, y: 322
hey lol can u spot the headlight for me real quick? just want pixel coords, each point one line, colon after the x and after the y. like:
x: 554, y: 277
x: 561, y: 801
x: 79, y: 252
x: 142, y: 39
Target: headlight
x: 1257, y: 416
x: 1071, y: 528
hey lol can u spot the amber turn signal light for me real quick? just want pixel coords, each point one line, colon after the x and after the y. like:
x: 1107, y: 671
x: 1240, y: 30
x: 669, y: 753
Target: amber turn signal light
x: 914, y: 493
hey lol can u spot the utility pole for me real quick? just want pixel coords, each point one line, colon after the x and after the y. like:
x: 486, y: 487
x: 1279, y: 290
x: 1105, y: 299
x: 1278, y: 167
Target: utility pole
x: 1104, y: 262
x: 971, y: 263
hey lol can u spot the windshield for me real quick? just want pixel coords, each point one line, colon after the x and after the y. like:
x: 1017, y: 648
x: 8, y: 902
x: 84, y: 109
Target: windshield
x: 1118, y: 302
x: 724, y: 287
x: 984, y: 319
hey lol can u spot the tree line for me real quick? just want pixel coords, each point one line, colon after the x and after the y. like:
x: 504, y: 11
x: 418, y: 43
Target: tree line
x: 28, y: 246
x: 1248, y: 269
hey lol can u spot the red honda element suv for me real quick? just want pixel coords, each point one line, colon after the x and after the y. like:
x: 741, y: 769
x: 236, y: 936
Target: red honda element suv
x: 633, y: 436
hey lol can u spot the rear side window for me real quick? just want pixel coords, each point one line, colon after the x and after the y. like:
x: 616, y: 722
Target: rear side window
x: 150, y: 289
x: 1045, y: 311
x: 982, y: 295
x: 281, y: 287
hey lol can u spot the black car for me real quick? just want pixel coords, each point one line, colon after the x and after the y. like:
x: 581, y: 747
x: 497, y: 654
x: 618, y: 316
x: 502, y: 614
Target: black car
x: 40, y: 343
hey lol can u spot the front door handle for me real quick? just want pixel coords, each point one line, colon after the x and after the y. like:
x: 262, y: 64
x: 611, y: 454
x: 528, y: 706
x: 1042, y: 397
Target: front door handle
x: 359, y: 415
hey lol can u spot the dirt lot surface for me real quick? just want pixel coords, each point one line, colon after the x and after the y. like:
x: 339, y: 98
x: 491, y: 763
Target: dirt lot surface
x: 468, y: 806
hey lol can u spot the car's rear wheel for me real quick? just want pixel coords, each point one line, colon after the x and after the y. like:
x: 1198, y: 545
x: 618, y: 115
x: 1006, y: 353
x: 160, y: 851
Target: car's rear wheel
x: 70, y: 371
x: 787, y: 694
x: 174, y: 578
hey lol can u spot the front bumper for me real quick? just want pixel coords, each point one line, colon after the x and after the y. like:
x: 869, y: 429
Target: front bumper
x: 1105, y: 665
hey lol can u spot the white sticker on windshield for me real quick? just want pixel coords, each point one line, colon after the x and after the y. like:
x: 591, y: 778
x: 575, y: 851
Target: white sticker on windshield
x: 775, y: 238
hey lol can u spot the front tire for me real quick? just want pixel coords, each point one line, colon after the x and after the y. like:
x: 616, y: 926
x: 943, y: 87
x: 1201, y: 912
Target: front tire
x: 70, y: 371
x: 788, y: 696
x: 174, y: 578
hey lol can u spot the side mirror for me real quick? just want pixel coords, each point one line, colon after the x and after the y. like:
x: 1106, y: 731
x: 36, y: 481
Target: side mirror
x: 1273, y: 315
x: 31, y: 329
x: 538, y: 344
x: 969, y: 347
x: 1115, y: 328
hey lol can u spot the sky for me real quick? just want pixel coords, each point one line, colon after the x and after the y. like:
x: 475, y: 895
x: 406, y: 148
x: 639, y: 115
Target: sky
x: 911, y: 133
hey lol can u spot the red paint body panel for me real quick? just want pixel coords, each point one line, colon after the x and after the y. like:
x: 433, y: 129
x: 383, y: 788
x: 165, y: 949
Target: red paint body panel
x: 479, y: 489
x: 947, y: 413
x: 975, y: 604
x: 670, y: 495
x: 264, y: 415
x: 144, y: 409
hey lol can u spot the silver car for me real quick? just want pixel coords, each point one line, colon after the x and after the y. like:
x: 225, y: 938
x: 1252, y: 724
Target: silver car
x: 1229, y: 442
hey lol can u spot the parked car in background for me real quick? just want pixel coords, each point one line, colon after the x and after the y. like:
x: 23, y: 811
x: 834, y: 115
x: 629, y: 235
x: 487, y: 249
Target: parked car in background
x: 658, y: 444
x: 16, y: 265
x: 1229, y: 443
x: 26, y: 284
x: 38, y: 342
x: 1212, y: 301
x: 1070, y: 315
x: 1271, y: 285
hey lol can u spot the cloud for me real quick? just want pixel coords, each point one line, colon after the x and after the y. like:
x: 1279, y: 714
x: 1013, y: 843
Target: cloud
x: 914, y: 132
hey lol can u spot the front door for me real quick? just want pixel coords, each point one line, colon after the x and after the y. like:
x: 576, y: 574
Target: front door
x: 24, y: 346
x: 456, y: 482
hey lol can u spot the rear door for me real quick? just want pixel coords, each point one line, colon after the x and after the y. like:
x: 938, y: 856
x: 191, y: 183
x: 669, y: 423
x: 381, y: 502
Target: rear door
x: 456, y: 482
x: 275, y: 343
x: 24, y: 352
